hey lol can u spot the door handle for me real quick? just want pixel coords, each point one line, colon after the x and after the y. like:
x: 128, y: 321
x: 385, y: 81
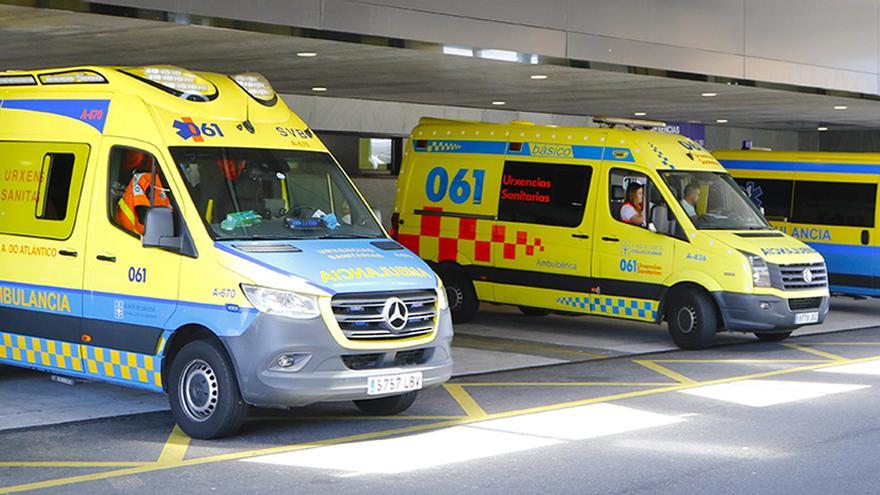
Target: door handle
x: 866, y: 238
x: 610, y: 239
x: 577, y: 235
x: 67, y: 252
x: 107, y: 257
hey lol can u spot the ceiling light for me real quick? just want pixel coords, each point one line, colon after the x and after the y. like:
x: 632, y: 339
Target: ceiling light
x: 306, y: 54
x: 502, y: 55
x: 840, y: 107
x: 639, y: 114
x: 319, y: 89
x: 820, y: 129
x: 457, y: 50
x: 538, y: 77
x: 708, y: 95
x: 499, y: 103
x: 721, y: 121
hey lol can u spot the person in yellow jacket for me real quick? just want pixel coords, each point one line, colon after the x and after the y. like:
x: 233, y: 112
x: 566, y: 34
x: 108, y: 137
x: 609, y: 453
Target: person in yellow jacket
x: 145, y: 189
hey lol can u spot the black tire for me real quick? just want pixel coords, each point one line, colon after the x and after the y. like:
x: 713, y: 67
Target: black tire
x: 692, y: 320
x: 530, y: 311
x: 773, y: 337
x: 203, y: 391
x: 460, y: 293
x: 387, y: 406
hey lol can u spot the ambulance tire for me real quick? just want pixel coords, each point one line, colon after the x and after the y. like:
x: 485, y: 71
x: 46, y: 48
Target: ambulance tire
x: 387, y: 406
x: 530, y: 311
x: 203, y: 392
x: 773, y: 337
x: 463, y: 302
x: 692, y: 320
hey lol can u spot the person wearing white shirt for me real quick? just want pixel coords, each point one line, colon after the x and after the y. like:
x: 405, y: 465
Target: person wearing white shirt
x: 689, y: 200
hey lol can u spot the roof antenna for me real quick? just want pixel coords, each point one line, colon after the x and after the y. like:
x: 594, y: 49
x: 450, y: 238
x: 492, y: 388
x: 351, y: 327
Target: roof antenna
x: 246, y: 125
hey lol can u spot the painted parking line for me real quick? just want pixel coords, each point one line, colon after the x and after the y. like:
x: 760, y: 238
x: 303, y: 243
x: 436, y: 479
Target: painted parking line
x: 480, y: 440
x: 763, y: 393
x: 868, y: 368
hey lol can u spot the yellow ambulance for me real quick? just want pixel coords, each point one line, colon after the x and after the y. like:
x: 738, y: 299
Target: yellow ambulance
x: 186, y: 232
x: 605, y: 221
x: 827, y: 200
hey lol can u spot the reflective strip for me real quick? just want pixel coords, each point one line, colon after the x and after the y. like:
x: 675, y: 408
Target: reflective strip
x: 126, y: 210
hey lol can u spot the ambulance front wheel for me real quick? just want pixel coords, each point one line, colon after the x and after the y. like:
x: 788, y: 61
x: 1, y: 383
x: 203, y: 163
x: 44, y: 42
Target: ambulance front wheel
x: 692, y: 319
x: 463, y: 302
x: 387, y: 406
x: 203, y: 391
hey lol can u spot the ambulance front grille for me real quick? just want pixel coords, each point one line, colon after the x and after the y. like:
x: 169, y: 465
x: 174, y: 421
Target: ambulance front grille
x: 791, y: 277
x: 360, y: 315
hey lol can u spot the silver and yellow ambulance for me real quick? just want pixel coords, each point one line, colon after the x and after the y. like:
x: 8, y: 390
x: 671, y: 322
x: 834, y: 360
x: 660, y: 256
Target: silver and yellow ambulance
x: 604, y: 221
x: 186, y: 232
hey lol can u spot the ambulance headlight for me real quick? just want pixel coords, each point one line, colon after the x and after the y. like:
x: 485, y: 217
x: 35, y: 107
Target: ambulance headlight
x: 282, y: 302
x: 760, y: 270
x: 442, y: 300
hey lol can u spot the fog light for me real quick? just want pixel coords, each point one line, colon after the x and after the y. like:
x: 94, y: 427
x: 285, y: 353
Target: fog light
x: 289, y: 362
x: 765, y: 305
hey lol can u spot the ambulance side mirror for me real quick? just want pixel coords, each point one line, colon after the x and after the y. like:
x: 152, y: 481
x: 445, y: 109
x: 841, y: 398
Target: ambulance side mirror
x: 159, y: 229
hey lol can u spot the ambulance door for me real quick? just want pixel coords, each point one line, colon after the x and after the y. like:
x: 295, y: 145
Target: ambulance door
x: 630, y: 261
x: 43, y: 221
x: 131, y: 291
x: 542, y: 242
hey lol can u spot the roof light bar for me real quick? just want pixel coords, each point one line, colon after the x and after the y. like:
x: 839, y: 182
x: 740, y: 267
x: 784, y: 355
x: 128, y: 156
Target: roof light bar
x: 632, y: 123
x: 21, y: 80
x: 177, y: 81
x: 73, y: 77
x: 257, y: 86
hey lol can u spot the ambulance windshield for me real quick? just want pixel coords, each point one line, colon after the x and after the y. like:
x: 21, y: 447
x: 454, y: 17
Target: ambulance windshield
x: 714, y: 201
x: 257, y: 194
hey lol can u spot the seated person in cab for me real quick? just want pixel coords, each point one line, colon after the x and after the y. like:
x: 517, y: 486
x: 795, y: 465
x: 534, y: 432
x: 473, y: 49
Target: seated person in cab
x: 632, y: 209
x: 690, y: 197
x: 144, y: 189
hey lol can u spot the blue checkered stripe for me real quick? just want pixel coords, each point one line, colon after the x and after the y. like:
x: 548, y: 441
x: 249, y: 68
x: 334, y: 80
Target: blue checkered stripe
x: 663, y: 158
x: 623, y: 307
x: 442, y: 146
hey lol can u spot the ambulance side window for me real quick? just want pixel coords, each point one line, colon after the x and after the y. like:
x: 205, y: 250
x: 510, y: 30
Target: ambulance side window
x: 135, y: 183
x: 627, y: 193
x: 40, y: 187
x: 834, y: 203
x: 543, y: 193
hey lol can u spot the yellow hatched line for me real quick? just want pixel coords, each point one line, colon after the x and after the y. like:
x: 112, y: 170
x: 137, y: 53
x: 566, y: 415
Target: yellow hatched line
x: 464, y: 399
x: 841, y: 343
x: 175, y: 447
x: 352, y: 418
x: 565, y: 384
x: 651, y: 365
x: 739, y: 361
x: 235, y: 456
x: 70, y: 464
x: 815, y: 352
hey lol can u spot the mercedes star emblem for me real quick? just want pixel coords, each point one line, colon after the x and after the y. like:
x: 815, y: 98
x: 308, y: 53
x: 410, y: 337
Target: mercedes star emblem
x: 395, y: 315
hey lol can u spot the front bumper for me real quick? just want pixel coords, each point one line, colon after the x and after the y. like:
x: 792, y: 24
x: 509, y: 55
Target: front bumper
x: 322, y: 375
x: 743, y: 312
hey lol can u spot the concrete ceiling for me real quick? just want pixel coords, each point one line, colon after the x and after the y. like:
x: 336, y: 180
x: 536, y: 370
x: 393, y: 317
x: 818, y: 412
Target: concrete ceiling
x: 35, y: 38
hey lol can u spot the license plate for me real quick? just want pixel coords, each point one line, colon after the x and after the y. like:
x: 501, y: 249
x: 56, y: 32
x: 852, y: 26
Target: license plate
x: 802, y: 318
x: 391, y: 384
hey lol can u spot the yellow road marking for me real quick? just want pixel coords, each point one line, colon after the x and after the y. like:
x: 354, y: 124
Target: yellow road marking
x: 565, y: 384
x: 349, y: 418
x: 651, y: 365
x: 234, y: 456
x: 69, y: 464
x: 175, y: 447
x: 815, y: 352
x: 737, y: 361
x: 464, y: 399
x: 840, y: 343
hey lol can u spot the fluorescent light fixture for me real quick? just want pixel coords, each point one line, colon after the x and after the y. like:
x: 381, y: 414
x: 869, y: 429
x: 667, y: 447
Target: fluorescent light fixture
x: 721, y: 121
x: 534, y: 59
x: 538, y: 77
x: 499, y: 102
x: 708, y: 95
x: 502, y: 55
x: 840, y: 107
x: 319, y: 89
x: 820, y: 129
x: 306, y: 54
x: 458, y: 51
x: 640, y: 114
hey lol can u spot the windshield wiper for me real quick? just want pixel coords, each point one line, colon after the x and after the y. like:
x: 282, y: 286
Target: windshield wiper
x: 258, y: 238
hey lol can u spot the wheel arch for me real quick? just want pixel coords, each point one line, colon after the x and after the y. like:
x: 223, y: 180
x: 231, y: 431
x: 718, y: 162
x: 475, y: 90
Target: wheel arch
x: 185, y: 334
x: 680, y: 287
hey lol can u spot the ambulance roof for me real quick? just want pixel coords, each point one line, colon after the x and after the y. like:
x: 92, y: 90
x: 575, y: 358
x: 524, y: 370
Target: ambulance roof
x: 651, y: 149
